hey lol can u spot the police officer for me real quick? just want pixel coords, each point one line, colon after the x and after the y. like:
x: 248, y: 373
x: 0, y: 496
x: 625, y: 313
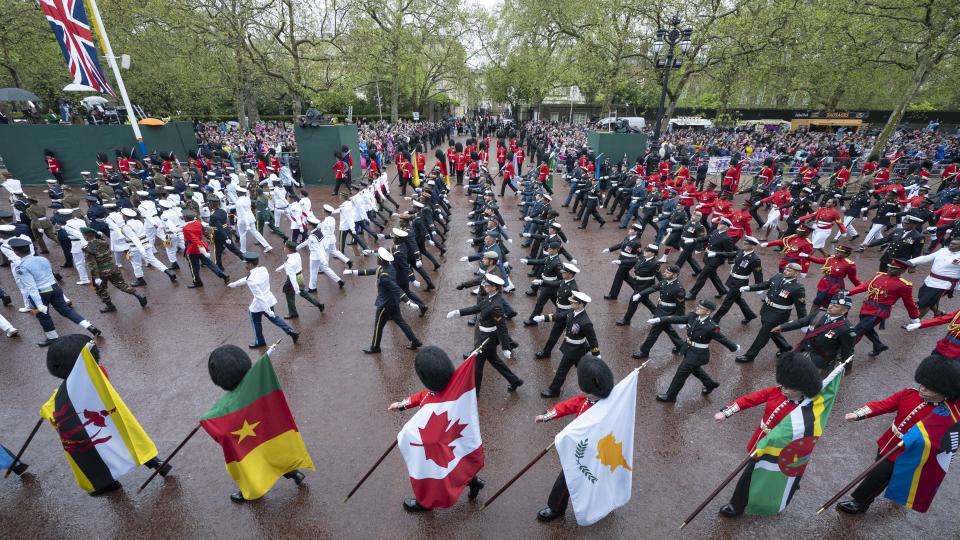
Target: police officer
x: 670, y: 303
x: 389, y: 296
x: 783, y: 294
x: 629, y: 247
x: 701, y: 330
x: 719, y: 248
x: 745, y: 263
x: 829, y: 337
x: 579, y: 339
x: 103, y: 270
x: 491, y: 332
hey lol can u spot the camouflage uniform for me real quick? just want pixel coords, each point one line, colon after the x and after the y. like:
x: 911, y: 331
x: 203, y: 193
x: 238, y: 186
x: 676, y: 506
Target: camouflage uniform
x: 101, y: 266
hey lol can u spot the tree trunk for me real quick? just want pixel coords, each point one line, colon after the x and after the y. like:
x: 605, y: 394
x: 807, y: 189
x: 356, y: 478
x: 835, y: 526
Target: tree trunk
x: 242, y: 89
x: 920, y: 75
x: 253, y: 113
x: 395, y: 96
x: 296, y: 92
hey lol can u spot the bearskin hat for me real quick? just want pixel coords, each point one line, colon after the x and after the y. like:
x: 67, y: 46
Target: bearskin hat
x: 940, y: 374
x: 594, y: 377
x: 440, y: 155
x: 102, y: 157
x: 48, y: 152
x: 458, y: 147
x: 64, y: 352
x: 434, y: 368
x: 797, y: 372
x: 227, y: 365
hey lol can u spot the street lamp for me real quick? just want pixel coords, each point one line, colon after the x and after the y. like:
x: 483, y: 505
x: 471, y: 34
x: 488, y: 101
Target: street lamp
x: 670, y: 36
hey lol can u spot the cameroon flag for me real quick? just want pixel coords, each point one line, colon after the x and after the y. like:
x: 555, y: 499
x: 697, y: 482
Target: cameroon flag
x: 783, y: 454
x: 254, y: 426
x: 100, y: 436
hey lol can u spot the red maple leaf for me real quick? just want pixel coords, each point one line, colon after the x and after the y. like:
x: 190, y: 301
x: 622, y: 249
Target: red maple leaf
x: 436, y: 436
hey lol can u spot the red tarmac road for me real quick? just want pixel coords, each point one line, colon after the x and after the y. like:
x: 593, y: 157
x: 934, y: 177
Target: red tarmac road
x: 157, y: 360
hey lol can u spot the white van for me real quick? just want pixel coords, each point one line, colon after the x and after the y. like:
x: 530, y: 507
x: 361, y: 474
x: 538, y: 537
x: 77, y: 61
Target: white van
x: 635, y: 122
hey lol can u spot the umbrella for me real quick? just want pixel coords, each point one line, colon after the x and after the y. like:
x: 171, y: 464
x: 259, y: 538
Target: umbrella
x: 92, y: 101
x: 151, y: 122
x: 17, y: 94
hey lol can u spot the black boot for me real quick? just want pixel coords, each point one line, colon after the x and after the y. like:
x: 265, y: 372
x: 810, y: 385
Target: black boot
x: 411, y: 505
x: 852, y: 507
x: 548, y: 514
x: 109, y: 308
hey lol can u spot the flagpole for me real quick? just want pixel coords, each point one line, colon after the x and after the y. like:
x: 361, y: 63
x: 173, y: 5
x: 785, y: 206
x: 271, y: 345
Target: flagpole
x: 859, y: 477
x: 101, y: 29
x: 164, y: 464
x: 722, y: 485
x: 23, y: 449
x: 375, y: 465
x: 517, y: 476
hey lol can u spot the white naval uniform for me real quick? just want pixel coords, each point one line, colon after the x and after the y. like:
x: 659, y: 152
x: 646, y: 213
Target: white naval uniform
x: 136, y: 234
x: 77, y: 243
x: 247, y: 223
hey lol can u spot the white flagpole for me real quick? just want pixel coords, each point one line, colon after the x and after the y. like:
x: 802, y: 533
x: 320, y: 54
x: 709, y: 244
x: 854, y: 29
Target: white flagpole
x: 111, y: 59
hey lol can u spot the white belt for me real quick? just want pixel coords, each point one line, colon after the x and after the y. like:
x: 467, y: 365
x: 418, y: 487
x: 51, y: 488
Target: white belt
x: 580, y: 341
x: 630, y: 255
x: 827, y: 225
x: 668, y: 304
x: 778, y: 306
x: 738, y: 276
x: 648, y: 278
x: 698, y: 345
x: 563, y: 306
x: 487, y: 329
x: 551, y: 278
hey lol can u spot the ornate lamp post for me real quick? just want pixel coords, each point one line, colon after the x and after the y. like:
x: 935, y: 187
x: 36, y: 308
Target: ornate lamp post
x: 670, y: 36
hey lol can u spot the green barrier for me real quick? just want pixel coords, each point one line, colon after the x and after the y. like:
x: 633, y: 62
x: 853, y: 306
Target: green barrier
x: 22, y: 146
x: 615, y: 145
x: 315, y: 147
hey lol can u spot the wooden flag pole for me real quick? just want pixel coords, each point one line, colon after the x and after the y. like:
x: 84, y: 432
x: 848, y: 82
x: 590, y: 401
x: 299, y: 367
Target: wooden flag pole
x: 516, y: 476
x: 375, y: 465
x: 715, y: 492
x: 23, y: 449
x: 164, y: 464
x: 859, y: 477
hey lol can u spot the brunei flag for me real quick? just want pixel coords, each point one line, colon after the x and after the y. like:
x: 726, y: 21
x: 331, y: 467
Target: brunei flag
x: 102, y: 439
x: 254, y: 426
x: 783, y: 454
x: 928, y: 449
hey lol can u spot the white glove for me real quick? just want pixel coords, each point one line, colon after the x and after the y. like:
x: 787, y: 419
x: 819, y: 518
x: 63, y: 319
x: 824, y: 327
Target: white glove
x: 615, y: 262
x: 745, y: 288
x: 348, y: 272
x: 537, y: 282
x: 528, y: 218
x: 469, y: 242
x: 803, y: 275
x: 432, y: 243
x: 411, y: 304
x: 738, y: 348
x: 711, y: 253
x: 688, y: 240
x: 890, y: 214
x: 912, y: 326
x: 205, y: 253
x: 605, y: 250
x: 229, y: 242
x: 761, y: 293
x: 419, y: 264
x: 524, y: 261
x: 507, y: 354
x: 97, y: 282
x: 526, y: 235
x: 803, y: 255
x: 764, y: 244
x: 865, y: 218
x: 416, y: 284
x: 271, y: 314
x: 573, y: 261
x: 42, y: 309
x: 509, y: 240
x: 539, y: 318
x: 380, y: 236
x: 454, y: 313
x: 636, y: 297
x: 464, y: 259
x: 654, y: 320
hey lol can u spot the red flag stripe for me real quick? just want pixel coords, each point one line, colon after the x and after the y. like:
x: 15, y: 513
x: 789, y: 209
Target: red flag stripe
x: 270, y: 410
x: 444, y: 492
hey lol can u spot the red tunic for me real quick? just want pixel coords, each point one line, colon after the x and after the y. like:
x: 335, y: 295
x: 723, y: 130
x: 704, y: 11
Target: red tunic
x: 688, y: 194
x: 825, y: 217
x: 883, y: 291
x: 741, y: 225
x: 721, y: 209
x: 166, y: 167
x: 949, y: 345
x: 868, y: 168
x: 835, y: 270
x: 843, y: 177
x: 502, y: 155
x: 459, y: 161
x: 421, y: 162
x: 576, y: 405
x: 520, y: 155
x: 706, y: 199
x: 374, y: 168
x: 896, y: 187
x: 731, y: 181
x: 340, y: 169
x: 947, y: 214
x: 683, y: 175
x: 508, y: 172
x: 53, y: 164
x: 766, y: 175
x: 909, y: 408
x: 781, y: 198
x: 451, y: 152
x: 415, y: 400
x: 949, y: 173
x: 664, y: 169
x: 793, y: 246
x: 776, y: 408
x: 193, y: 238
x: 544, y: 172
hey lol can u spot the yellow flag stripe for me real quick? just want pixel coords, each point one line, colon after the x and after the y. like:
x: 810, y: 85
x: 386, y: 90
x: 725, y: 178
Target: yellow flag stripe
x: 923, y: 460
x: 256, y: 473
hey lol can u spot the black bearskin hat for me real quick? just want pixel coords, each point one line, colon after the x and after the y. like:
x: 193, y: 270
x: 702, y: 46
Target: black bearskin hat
x: 474, y: 156
x: 48, y: 152
x: 434, y: 368
x: 192, y: 154
x: 594, y: 377
x: 169, y: 155
x: 102, y: 158
x: 227, y: 365
x: 439, y: 154
x: 797, y: 372
x: 940, y: 374
x: 64, y: 352
x: 458, y: 147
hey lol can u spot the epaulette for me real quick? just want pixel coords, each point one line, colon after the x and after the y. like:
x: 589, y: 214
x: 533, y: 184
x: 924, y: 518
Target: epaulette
x: 848, y: 260
x: 907, y: 283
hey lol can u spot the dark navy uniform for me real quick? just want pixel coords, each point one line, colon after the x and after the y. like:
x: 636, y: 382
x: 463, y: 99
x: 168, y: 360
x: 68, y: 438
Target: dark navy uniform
x: 743, y: 265
x: 389, y: 296
x: 782, y: 296
x: 491, y: 332
x: 671, y: 303
x: 629, y: 248
x: 579, y: 339
x: 695, y: 351
x: 645, y: 271
x: 564, y: 290
x: 829, y: 340
x: 719, y: 248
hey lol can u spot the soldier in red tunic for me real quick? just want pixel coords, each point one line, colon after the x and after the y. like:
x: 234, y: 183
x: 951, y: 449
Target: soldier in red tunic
x: 883, y: 290
x: 797, y: 378
x: 796, y: 249
x: 434, y: 369
x: 596, y: 382
x: 836, y: 269
x: 939, y: 381
x: 949, y: 345
x: 53, y: 165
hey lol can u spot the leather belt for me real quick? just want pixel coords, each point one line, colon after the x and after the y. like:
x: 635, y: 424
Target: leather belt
x: 738, y: 276
x: 580, y: 341
x: 564, y: 306
x: 487, y: 329
x: 698, y: 345
x: 776, y: 305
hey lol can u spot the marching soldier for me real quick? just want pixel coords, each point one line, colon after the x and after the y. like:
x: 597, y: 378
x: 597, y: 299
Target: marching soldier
x: 719, y: 248
x: 135, y: 232
x: 939, y: 381
x: 829, y: 337
x: 545, y: 286
x: 491, y: 332
x: 389, y: 296
x: 701, y: 330
x: 905, y: 243
x: 292, y: 267
x: 746, y: 262
x: 835, y: 269
x: 883, y: 290
x: 783, y: 294
x: 670, y: 303
x: 796, y: 249
x: 579, y: 339
x: 628, y: 248
x: 564, y: 295
x: 258, y: 281
x: 691, y: 240
x: 103, y: 270
x: 949, y: 345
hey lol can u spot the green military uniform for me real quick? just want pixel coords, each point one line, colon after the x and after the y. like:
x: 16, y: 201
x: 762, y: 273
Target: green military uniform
x: 40, y: 224
x: 265, y: 215
x: 101, y: 266
x: 105, y: 193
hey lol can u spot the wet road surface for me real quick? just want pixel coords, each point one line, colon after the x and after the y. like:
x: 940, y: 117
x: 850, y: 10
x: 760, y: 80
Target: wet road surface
x: 157, y: 360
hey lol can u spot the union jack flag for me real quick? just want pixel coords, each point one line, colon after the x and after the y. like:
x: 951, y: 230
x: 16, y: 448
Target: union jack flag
x: 70, y: 25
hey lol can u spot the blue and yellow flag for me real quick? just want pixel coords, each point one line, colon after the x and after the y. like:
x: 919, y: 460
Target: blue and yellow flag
x: 928, y: 449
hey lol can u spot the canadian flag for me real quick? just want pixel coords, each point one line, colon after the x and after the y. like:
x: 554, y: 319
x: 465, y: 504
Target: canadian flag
x: 441, y: 442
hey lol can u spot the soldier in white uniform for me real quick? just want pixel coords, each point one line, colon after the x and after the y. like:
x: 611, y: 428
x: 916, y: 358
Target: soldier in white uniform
x: 118, y: 242
x: 77, y: 243
x: 247, y: 221
x: 173, y: 223
x: 278, y: 199
x: 319, y: 246
x: 143, y: 251
x: 258, y: 281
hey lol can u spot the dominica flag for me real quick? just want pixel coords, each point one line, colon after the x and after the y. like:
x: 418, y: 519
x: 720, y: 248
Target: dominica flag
x: 782, y: 455
x: 254, y: 426
x: 928, y: 449
x: 102, y: 439
x: 596, y: 453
